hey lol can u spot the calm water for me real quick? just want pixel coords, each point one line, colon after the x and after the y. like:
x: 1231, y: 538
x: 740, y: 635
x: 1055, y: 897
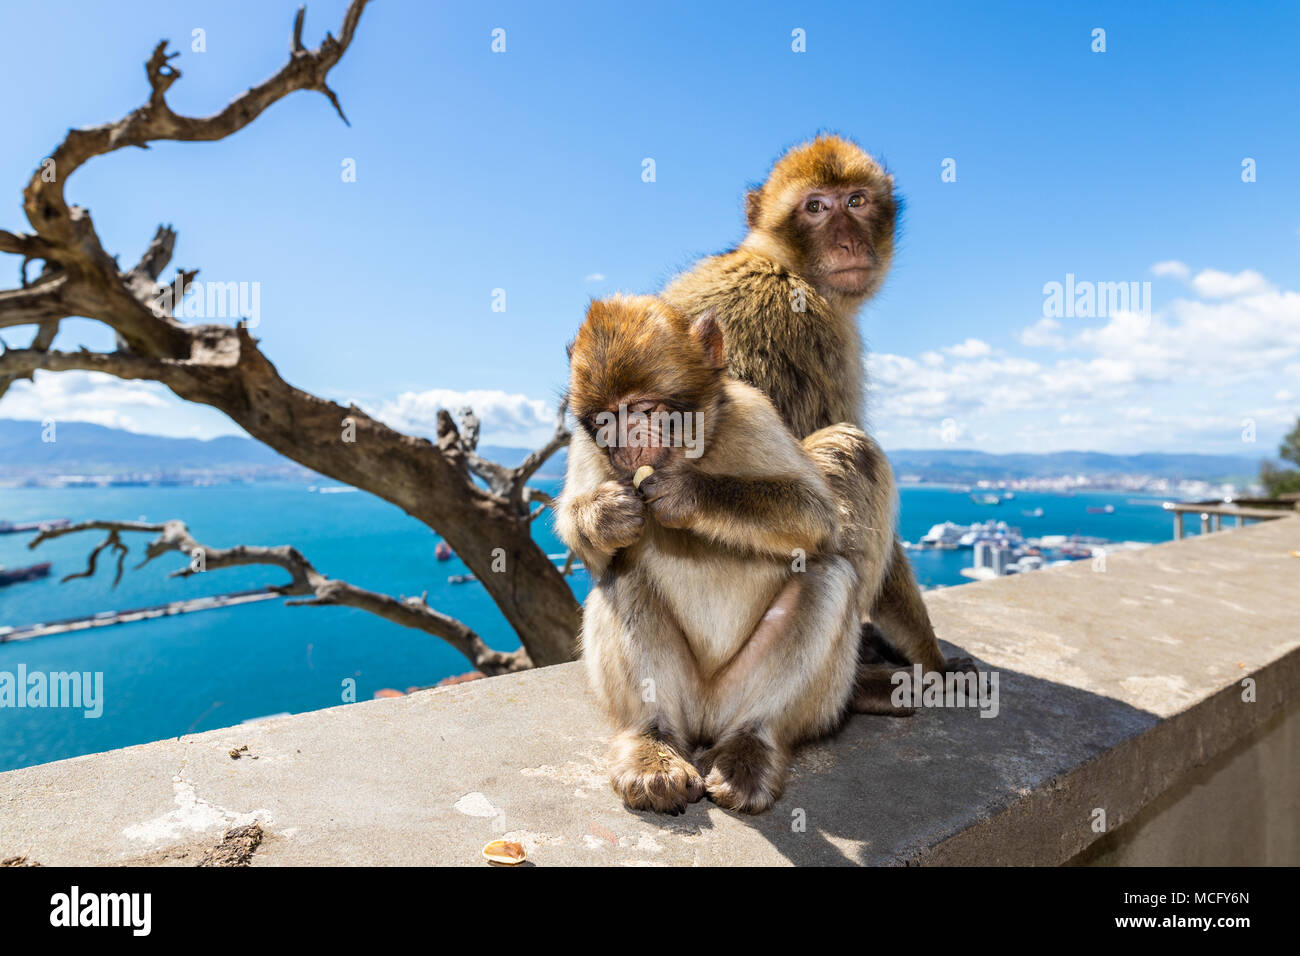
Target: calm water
x: 216, y: 668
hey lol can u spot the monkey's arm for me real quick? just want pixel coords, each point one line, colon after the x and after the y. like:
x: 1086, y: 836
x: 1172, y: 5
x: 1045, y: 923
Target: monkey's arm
x: 596, y: 515
x: 755, y: 487
x: 773, y: 515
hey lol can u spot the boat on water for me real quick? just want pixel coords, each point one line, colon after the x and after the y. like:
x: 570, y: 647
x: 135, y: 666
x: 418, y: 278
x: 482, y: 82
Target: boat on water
x: 1032, y: 512
x: 1101, y: 509
x: 943, y: 537
x: 29, y: 573
x: 986, y: 499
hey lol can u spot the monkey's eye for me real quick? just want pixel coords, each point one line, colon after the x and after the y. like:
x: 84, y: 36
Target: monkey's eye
x: 857, y: 199
x: 815, y: 205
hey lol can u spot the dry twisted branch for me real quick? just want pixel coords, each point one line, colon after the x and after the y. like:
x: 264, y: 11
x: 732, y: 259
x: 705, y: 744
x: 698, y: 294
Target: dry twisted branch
x: 508, y: 483
x: 304, y: 582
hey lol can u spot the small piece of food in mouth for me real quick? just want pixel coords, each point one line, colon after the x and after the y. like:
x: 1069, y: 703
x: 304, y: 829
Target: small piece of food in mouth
x: 505, y: 851
x: 640, y: 475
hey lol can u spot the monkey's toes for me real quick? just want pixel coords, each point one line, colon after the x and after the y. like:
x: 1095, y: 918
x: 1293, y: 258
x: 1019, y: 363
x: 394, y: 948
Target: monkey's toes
x: 660, y: 781
x: 731, y: 794
x: 960, y: 665
x: 744, y: 774
x: 695, y: 788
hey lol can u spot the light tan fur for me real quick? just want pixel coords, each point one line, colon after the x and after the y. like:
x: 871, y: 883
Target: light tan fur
x: 727, y: 621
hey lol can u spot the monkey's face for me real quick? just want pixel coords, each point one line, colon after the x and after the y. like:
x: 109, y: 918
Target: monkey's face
x: 643, y: 432
x: 656, y: 431
x: 641, y: 381
x: 844, y: 235
x: 827, y: 212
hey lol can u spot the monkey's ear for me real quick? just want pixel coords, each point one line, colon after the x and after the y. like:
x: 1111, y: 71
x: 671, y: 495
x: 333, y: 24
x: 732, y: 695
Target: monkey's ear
x: 708, y: 333
x: 568, y: 350
x: 752, y: 207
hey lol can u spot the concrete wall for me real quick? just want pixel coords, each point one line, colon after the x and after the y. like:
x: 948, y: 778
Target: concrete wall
x: 1241, y: 809
x: 1120, y: 690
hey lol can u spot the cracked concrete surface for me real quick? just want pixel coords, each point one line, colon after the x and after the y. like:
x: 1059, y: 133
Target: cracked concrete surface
x: 1116, y: 689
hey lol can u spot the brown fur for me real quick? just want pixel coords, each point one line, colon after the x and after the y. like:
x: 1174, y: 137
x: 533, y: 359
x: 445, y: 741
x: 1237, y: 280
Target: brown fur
x: 631, y: 347
x: 698, y: 630
x: 809, y: 363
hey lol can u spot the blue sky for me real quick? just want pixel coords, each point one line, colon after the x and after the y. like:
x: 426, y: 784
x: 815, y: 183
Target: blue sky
x: 521, y: 171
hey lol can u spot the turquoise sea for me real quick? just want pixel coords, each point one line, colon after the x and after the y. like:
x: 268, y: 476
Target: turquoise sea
x: 217, y: 668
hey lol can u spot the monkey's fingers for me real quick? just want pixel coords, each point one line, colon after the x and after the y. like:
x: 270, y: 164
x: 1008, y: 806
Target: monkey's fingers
x: 650, y: 486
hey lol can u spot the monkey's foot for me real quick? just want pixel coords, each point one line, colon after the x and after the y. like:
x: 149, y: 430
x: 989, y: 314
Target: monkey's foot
x: 960, y: 665
x: 874, y: 687
x: 743, y: 773
x: 649, y: 774
x: 871, y: 700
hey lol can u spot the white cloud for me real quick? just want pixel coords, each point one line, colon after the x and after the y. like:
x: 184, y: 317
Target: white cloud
x: 506, y: 418
x: 594, y: 277
x: 1183, y: 376
x: 971, y: 348
x: 1213, y: 284
x: 145, y: 407
x: 1171, y: 267
x: 83, y: 397
x: 1045, y: 333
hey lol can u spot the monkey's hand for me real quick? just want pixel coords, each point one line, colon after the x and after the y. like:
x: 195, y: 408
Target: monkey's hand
x: 670, y: 496
x: 615, y: 517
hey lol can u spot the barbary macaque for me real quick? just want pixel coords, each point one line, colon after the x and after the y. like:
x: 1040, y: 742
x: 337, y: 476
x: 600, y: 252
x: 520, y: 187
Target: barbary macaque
x: 722, y: 627
x: 820, y: 241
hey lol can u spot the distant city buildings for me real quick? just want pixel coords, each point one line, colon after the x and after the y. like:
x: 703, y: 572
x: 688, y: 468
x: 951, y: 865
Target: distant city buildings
x: 1186, y: 488
x: 999, y: 549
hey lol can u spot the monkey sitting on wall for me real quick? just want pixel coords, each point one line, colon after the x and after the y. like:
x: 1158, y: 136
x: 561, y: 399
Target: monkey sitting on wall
x: 819, y: 244
x: 721, y: 614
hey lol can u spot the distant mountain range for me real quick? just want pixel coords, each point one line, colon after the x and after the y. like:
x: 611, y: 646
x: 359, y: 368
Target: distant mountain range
x: 963, y: 465
x: 84, y: 449
x: 81, y: 448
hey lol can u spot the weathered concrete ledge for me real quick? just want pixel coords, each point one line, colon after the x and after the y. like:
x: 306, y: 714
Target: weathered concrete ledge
x: 1119, y: 690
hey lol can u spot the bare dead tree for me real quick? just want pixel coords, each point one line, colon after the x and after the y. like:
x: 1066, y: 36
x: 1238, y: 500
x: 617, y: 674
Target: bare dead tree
x: 222, y: 366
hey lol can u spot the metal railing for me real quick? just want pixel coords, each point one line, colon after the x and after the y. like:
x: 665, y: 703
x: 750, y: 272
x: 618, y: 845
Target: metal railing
x: 1242, y: 510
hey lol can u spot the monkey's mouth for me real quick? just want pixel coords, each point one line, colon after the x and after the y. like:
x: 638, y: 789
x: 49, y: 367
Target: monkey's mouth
x: 629, y: 459
x: 850, y: 279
